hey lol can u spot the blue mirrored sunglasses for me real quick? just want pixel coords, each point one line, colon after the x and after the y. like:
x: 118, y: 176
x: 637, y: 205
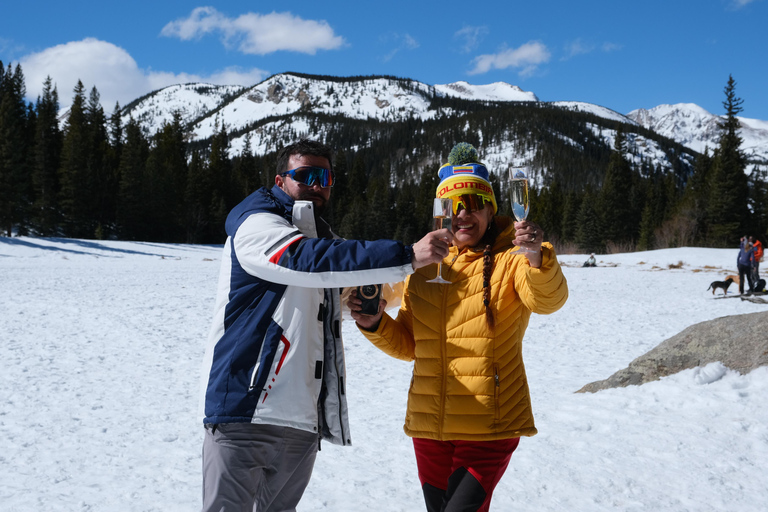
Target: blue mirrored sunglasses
x: 309, y: 175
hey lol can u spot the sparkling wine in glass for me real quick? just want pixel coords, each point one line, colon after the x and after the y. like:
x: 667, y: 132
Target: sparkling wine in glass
x: 518, y: 196
x: 442, y: 211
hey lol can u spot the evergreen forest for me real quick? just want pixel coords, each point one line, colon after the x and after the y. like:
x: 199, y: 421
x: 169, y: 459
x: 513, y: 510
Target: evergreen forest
x: 93, y: 177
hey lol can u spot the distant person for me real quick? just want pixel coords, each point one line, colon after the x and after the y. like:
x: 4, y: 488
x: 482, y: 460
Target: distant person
x: 273, y: 373
x: 745, y: 263
x: 757, y: 246
x: 469, y: 404
x: 743, y: 242
x: 591, y: 262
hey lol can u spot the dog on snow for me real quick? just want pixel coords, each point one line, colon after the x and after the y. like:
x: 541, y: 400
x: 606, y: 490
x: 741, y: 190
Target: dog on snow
x: 720, y: 284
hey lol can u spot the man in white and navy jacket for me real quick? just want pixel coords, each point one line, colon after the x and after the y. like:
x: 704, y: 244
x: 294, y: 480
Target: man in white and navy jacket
x: 273, y: 373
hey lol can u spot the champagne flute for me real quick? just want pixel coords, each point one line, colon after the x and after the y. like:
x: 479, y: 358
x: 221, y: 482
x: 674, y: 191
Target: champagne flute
x: 518, y: 196
x: 442, y: 211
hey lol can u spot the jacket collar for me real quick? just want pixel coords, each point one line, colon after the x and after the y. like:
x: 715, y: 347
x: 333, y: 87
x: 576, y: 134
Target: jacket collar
x: 318, y: 228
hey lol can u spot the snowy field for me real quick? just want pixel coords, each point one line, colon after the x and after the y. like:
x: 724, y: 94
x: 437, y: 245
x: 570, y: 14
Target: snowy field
x: 101, y: 345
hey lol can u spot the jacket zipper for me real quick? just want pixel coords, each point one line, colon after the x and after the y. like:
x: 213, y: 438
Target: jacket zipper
x: 443, y: 358
x: 336, y: 335
x: 443, y: 354
x: 496, y: 390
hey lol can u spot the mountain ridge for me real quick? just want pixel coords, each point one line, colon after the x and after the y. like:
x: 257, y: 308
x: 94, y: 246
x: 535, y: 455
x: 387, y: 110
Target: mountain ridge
x: 696, y: 128
x: 287, y: 105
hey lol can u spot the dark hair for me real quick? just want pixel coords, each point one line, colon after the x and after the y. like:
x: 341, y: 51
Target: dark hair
x: 302, y: 147
x: 488, y: 239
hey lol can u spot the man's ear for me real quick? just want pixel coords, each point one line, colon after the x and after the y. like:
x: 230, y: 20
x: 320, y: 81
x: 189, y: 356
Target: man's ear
x: 279, y: 180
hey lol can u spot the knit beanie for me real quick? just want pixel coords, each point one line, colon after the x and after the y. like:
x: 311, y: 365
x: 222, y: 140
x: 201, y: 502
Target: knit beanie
x: 464, y: 174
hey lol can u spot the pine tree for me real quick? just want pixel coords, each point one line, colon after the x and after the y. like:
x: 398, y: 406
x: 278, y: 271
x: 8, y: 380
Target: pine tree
x: 550, y: 210
x: 224, y: 199
x: 15, y: 181
x: 77, y: 191
x: 115, y: 140
x: 727, y: 210
x: 758, y: 201
x: 614, y: 202
x: 340, y: 195
x: 647, y: 240
x: 426, y: 192
x: 353, y: 223
x: 47, y: 157
x: 379, y: 222
x: 589, y: 237
x: 165, y: 183
x: 131, y: 212
x: 103, y: 179
x: 696, y: 197
x: 570, y: 220
x: 246, y: 170
x: 27, y: 187
x: 199, y: 196
x: 409, y: 227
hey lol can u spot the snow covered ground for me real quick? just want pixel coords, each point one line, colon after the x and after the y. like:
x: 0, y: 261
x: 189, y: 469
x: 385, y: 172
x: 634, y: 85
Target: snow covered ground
x: 101, y: 344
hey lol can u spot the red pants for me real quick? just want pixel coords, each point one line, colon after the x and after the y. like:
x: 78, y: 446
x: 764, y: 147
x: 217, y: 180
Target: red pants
x: 461, y: 475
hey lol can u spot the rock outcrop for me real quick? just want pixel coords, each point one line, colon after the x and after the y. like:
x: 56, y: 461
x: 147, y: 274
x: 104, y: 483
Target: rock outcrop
x: 739, y: 342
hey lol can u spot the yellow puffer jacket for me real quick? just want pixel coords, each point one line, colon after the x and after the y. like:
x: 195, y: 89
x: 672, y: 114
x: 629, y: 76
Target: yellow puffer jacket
x: 468, y: 380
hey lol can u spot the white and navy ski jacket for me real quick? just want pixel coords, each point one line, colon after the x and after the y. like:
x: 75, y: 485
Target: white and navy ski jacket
x: 274, y: 353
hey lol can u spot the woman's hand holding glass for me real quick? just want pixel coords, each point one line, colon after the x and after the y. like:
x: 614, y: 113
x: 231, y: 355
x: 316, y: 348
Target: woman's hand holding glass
x: 520, y: 199
x: 529, y: 237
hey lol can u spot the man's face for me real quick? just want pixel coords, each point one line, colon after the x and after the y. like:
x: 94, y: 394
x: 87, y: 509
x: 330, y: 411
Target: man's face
x: 300, y: 192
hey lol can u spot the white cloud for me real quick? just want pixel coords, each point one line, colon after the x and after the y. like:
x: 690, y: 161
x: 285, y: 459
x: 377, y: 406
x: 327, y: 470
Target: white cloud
x: 527, y: 58
x: 403, y: 41
x: 257, y: 34
x: 8, y: 47
x: 113, y: 72
x: 580, y: 47
x: 738, y: 4
x: 471, y: 36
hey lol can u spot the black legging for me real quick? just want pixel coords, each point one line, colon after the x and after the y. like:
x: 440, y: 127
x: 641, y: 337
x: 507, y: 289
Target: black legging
x: 745, y: 270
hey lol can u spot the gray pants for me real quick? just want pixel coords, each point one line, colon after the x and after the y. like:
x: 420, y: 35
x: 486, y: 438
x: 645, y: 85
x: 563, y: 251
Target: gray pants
x: 256, y: 468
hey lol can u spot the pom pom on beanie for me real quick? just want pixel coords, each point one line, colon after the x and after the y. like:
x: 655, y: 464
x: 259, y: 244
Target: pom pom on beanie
x: 463, y: 153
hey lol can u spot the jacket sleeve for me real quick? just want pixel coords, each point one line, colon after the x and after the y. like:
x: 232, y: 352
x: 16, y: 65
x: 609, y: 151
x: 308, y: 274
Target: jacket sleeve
x: 543, y: 290
x: 395, y: 336
x: 271, y: 248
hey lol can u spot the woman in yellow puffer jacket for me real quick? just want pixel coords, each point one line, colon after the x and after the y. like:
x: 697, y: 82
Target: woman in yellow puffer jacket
x: 469, y: 402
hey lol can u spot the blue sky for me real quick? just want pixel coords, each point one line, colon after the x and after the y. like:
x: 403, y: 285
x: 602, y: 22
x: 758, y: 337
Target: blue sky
x: 618, y: 54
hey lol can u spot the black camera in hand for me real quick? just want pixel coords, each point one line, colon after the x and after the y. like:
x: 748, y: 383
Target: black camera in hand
x: 370, y: 295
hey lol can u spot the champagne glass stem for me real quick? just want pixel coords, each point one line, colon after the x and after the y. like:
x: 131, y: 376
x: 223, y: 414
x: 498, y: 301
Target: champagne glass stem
x: 442, y: 212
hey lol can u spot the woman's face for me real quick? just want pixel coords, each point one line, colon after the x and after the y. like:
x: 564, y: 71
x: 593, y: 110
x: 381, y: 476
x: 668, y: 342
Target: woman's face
x: 469, y: 228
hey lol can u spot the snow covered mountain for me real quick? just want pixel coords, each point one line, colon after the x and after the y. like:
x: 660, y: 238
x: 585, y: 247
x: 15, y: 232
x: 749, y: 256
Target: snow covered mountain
x: 497, y: 91
x: 597, y: 110
x: 698, y: 129
x: 282, y: 107
x: 382, y: 98
x: 191, y: 101
x: 271, y: 112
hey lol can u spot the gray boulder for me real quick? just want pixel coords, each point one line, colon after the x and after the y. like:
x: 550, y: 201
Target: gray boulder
x: 739, y: 342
